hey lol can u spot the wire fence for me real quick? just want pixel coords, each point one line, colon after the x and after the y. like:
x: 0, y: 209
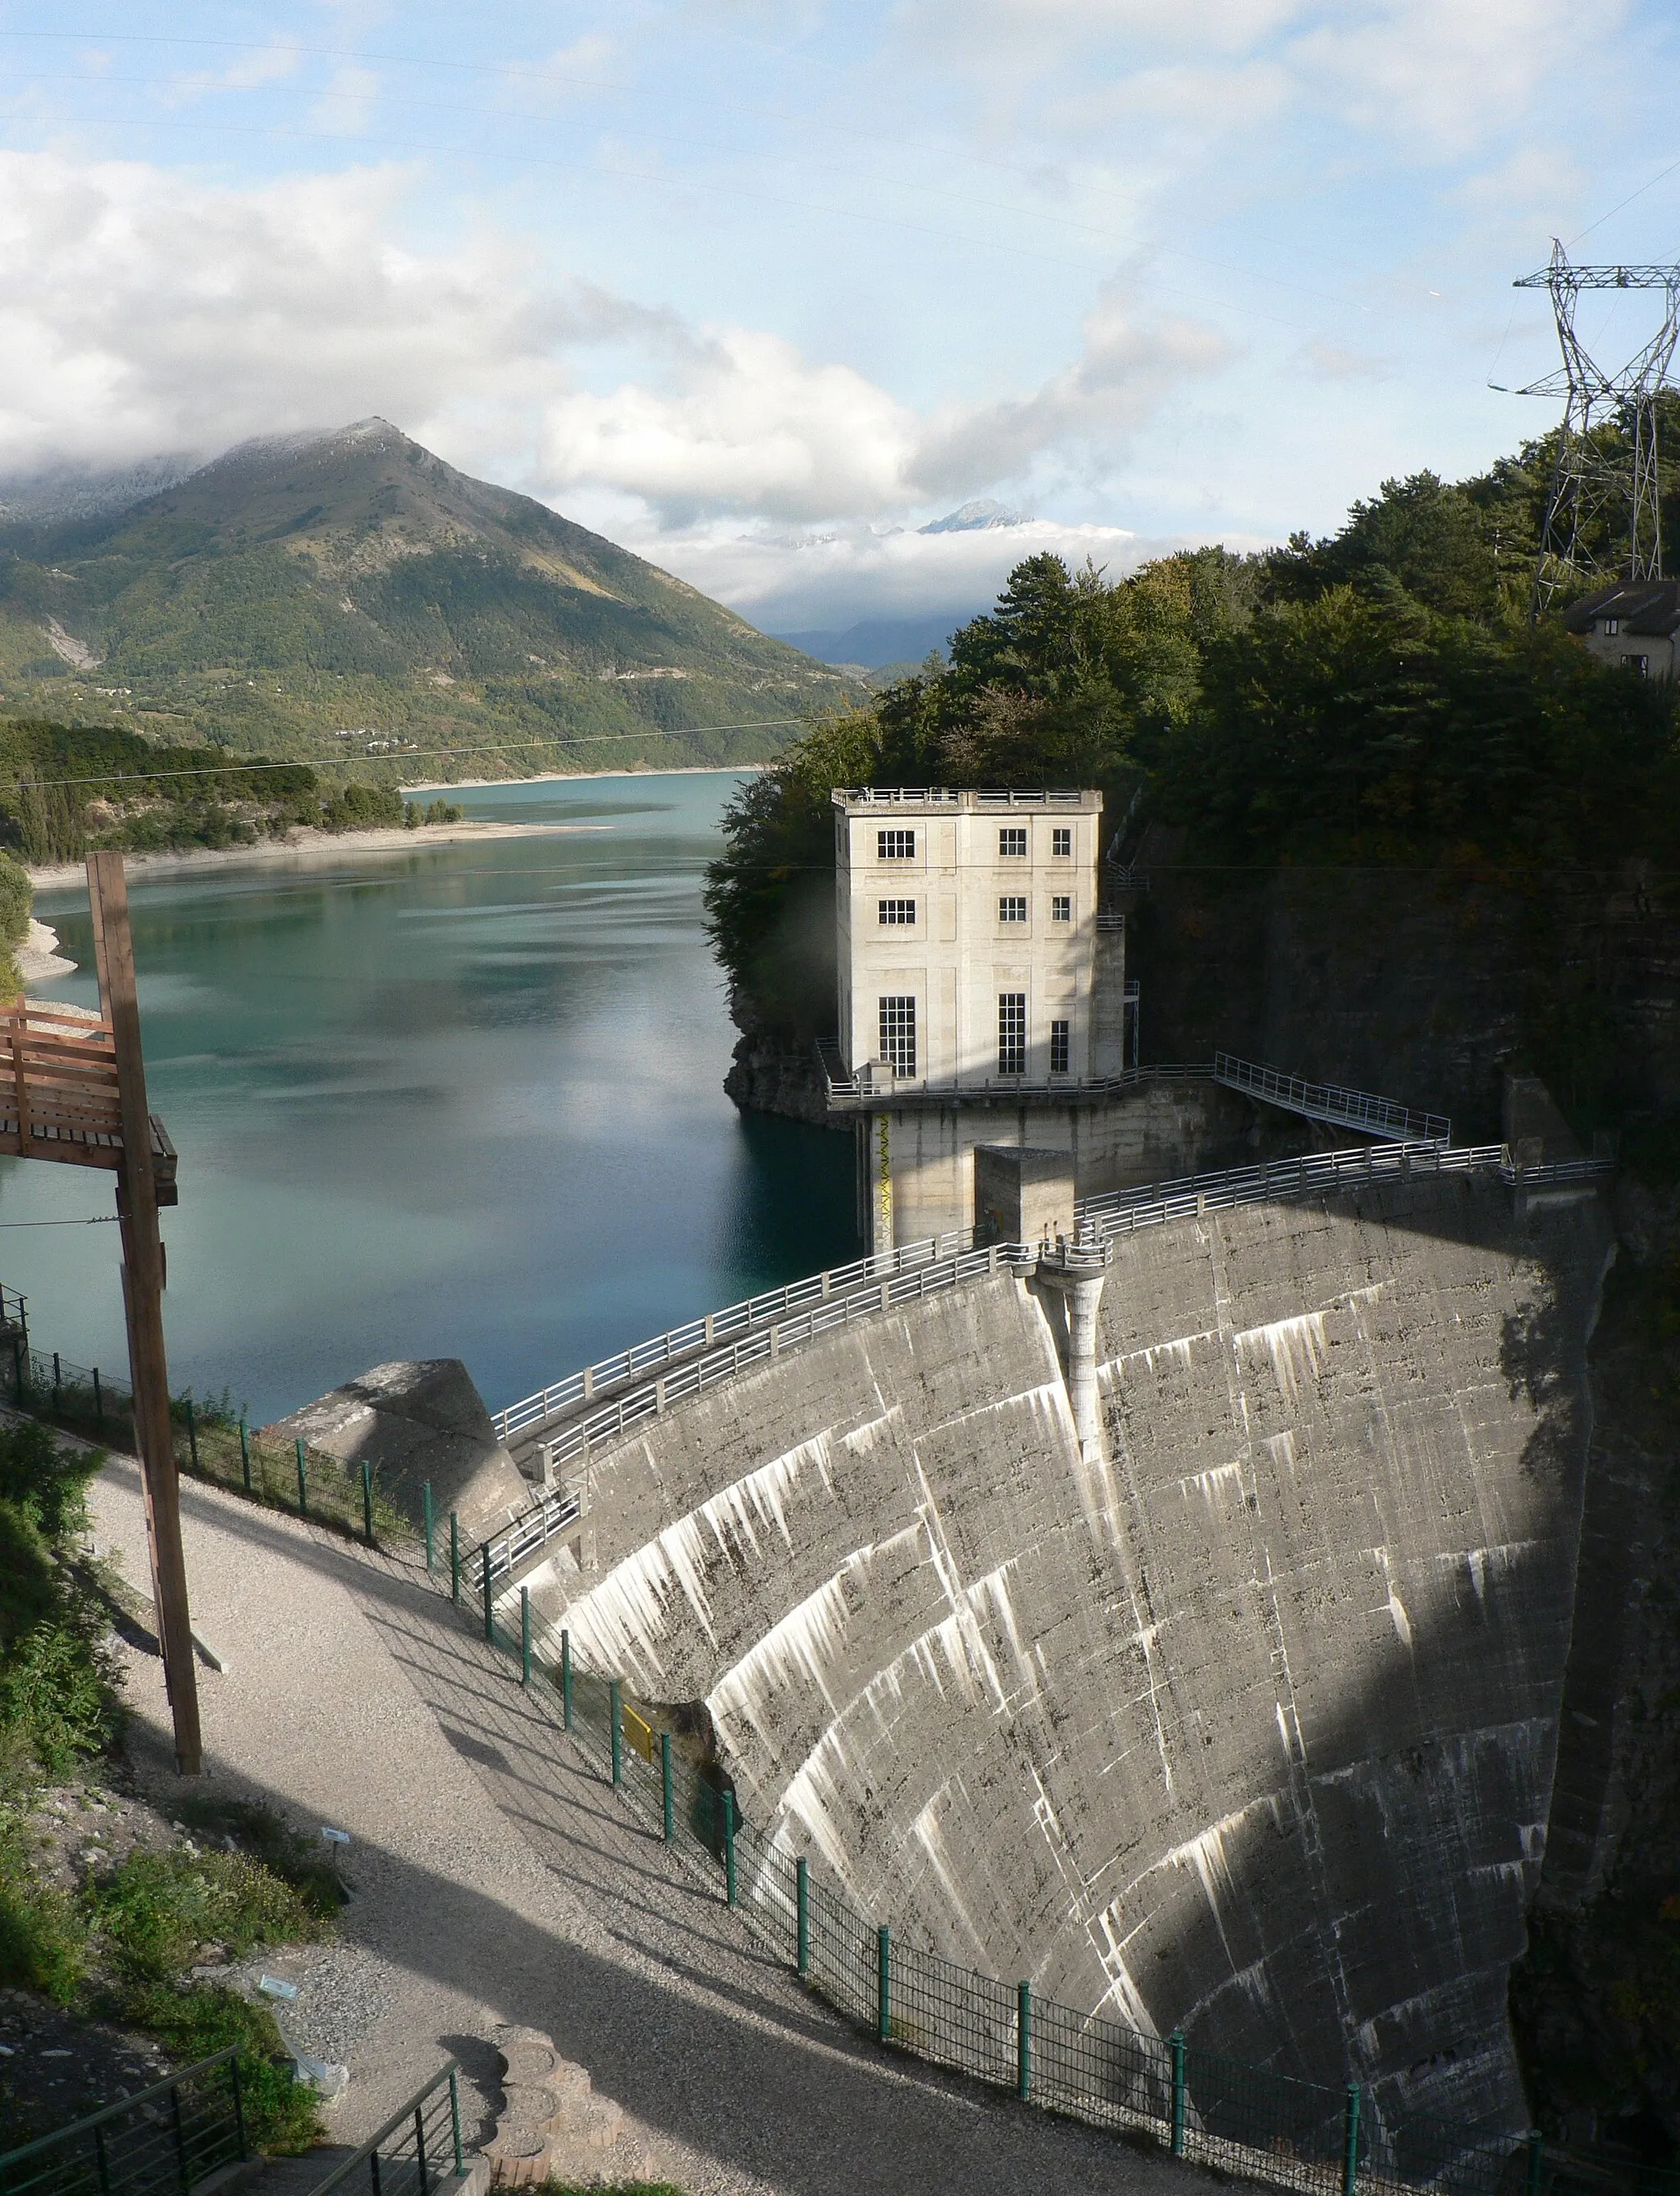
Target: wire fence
x: 1194, y: 2104
x: 161, y: 2142
x: 212, y: 1441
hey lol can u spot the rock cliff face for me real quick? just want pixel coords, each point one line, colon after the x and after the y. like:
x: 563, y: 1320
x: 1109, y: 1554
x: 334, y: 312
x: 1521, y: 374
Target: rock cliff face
x: 1247, y: 1726
x: 1418, y: 986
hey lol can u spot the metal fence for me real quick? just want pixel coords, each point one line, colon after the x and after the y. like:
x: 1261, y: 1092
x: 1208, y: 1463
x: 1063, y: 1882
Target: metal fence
x: 160, y: 2141
x: 788, y: 1318
x: 1195, y: 2104
x: 209, y: 1441
x: 418, y: 2147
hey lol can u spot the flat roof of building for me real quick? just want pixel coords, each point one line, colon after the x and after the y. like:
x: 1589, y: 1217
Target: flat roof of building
x: 858, y: 798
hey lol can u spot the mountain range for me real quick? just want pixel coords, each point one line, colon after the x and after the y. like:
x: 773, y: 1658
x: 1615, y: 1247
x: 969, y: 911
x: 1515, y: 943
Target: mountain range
x: 349, y: 594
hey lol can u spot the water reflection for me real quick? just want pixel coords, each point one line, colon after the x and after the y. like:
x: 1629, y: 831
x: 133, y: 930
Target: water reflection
x: 455, y: 1101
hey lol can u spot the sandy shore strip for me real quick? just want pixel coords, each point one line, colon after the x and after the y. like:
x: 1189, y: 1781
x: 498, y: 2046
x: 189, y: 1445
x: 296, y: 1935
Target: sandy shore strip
x: 38, y: 957
x: 579, y: 777
x: 303, y: 849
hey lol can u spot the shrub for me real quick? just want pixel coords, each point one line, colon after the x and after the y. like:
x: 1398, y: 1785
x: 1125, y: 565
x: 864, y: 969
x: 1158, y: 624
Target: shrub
x: 157, y: 1908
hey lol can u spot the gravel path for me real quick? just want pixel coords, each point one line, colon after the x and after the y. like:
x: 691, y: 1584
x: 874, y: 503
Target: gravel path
x: 495, y: 1879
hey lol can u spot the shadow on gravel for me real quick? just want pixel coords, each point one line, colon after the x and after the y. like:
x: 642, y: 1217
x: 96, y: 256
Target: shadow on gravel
x: 693, y: 2028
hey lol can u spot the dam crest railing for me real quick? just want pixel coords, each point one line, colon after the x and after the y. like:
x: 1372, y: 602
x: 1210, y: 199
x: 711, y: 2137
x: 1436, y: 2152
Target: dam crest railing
x: 696, y: 1355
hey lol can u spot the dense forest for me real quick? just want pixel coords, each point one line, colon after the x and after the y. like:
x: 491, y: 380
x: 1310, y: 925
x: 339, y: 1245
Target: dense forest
x: 65, y: 788
x: 1375, y: 700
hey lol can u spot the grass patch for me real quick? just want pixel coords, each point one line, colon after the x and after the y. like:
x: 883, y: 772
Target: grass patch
x: 158, y: 1911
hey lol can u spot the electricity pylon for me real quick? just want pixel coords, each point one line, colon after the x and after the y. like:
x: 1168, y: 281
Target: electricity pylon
x: 1588, y: 482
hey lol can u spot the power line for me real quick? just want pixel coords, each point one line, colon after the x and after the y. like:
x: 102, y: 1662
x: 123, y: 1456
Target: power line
x: 410, y: 754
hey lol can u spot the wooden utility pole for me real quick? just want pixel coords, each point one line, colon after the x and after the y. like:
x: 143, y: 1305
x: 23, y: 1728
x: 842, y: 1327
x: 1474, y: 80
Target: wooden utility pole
x: 142, y: 1301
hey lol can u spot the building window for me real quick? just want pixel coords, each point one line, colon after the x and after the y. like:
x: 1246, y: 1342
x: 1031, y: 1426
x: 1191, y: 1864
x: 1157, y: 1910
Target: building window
x: 897, y: 1035
x: 1060, y: 1047
x: 898, y: 911
x: 1011, y: 908
x: 1642, y: 664
x: 1061, y: 907
x: 1012, y: 1032
x: 1061, y: 839
x: 895, y: 846
x: 1012, y: 841
x: 1610, y: 625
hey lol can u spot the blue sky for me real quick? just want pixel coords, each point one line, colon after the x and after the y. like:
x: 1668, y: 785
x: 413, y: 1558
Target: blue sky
x: 758, y: 290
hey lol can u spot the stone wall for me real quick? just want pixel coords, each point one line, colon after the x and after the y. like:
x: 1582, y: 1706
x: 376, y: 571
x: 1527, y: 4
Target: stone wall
x: 1247, y: 1725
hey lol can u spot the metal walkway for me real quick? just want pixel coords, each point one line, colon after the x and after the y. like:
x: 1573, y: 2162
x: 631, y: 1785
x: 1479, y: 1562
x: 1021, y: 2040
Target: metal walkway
x: 1359, y: 1110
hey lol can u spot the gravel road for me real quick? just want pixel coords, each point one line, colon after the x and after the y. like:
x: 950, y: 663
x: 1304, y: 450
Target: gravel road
x: 495, y: 1879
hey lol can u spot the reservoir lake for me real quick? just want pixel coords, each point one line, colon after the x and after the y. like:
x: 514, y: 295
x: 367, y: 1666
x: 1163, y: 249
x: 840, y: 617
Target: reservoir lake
x: 452, y: 1102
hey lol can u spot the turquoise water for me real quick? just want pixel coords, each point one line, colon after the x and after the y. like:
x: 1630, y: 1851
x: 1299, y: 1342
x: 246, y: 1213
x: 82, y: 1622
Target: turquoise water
x: 458, y: 1101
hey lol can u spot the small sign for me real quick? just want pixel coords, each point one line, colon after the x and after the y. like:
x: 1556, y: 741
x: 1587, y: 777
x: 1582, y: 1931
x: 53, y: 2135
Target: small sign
x: 335, y: 1837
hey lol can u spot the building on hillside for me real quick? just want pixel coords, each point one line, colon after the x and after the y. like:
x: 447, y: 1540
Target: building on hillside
x: 982, y: 992
x: 969, y: 939
x: 1632, y: 624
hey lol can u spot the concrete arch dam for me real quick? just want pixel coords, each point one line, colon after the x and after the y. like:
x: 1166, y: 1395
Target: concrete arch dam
x: 1241, y: 1719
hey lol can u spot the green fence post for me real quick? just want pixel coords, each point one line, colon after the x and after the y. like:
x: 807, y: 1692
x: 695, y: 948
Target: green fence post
x: 367, y: 1501
x: 303, y: 1481
x: 1350, y: 2140
x: 524, y: 1635
x: 489, y: 1603
x: 1024, y: 2041
x: 191, y: 1435
x: 184, y: 2170
x: 884, y: 1984
x: 802, y: 1918
x: 455, y: 2117
x: 615, y: 1707
x: 1175, y: 2045
x: 102, y: 2162
x: 58, y: 1382
x: 454, y: 1557
x: 425, y: 1493
x: 566, y: 1678
x: 239, y: 2105
x: 245, y: 1455
x: 1536, y: 2145
x: 729, y: 1847
x: 99, y: 1400
x: 20, y: 1384
x: 666, y: 1795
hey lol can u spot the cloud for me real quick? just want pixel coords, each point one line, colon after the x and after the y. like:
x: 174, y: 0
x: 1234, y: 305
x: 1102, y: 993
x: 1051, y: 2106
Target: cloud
x: 1446, y: 68
x: 1124, y: 371
x: 345, y: 107
x: 1329, y: 362
x: 793, y: 583
x: 264, y: 64
x: 142, y: 312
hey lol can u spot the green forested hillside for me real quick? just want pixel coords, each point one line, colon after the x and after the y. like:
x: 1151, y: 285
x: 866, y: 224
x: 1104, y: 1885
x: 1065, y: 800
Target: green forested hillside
x: 352, y: 595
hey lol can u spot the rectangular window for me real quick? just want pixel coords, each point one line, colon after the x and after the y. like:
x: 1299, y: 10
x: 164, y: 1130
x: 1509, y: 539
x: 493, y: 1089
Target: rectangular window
x: 898, y: 911
x: 895, y: 846
x: 897, y: 1035
x: 1012, y: 1032
x: 1061, y: 907
x: 1610, y: 625
x: 1011, y: 908
x: 1061, y: 840
x: 1012, y: 841
x: 1060, y: 1048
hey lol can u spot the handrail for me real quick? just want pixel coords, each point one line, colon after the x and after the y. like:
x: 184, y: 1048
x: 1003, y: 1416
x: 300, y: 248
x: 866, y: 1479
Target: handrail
x: 815, y: 1306
x: 957, y: 796
x: 413, y: 2114
x: 1328, y: 1102
x: 142, y: 2142
x: 127, y: 2104
x: 714, y: 1327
